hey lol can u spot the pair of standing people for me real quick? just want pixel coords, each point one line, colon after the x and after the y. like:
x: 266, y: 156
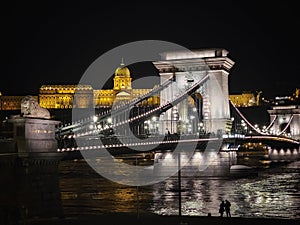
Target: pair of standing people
x: 225, y: 207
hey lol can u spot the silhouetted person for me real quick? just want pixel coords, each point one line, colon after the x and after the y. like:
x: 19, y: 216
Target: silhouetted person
x: 222, y: 208
x: 227, y: 208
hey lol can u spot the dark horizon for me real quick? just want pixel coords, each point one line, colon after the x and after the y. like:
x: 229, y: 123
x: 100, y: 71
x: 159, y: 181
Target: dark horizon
x: 55, y: 42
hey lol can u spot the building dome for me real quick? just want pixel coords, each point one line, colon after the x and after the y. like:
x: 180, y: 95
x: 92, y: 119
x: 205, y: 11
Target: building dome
x: 122, y: 71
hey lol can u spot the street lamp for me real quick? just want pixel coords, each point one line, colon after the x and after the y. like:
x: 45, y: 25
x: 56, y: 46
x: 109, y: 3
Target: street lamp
x: 232, y: 120
x: 201, y: 125
x: 95, y: 119
x: 154, y: 125
x: 146, y: 126
x: 174, y: 118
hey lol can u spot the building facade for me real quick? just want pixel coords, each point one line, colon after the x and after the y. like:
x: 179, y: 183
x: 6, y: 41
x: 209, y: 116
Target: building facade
x: 62, y: 96
x: 245, y: 99
x: 8, y: 103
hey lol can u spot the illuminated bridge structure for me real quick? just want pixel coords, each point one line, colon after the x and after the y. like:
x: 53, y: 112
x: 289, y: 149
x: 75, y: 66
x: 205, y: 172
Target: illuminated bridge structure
x: 188, y: 90
x: 193, y: 85
x: 284, y: 121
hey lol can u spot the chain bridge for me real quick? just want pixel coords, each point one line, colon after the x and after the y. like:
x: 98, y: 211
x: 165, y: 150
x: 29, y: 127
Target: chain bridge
x: 194, y: 109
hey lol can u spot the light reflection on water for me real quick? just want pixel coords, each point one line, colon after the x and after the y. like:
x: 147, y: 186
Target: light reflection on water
x: 271, y: 195
x: 274, y: 193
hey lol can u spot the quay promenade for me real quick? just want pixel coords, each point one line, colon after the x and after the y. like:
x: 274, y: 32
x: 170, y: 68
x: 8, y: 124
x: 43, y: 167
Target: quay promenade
x: 149, y: 219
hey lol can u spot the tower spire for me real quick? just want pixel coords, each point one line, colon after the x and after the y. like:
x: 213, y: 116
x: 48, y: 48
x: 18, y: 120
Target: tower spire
x: 122, y: 62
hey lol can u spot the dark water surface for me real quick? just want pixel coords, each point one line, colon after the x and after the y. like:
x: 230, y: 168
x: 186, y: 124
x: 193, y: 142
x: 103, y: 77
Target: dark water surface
x: 274, y: 193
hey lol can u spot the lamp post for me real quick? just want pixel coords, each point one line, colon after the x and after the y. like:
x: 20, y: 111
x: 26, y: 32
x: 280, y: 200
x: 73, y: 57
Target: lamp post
x: 154, y: 125
x: 232, y: 120
x: 201, y: 128
x: 174, y: 118
x: 179, y: 185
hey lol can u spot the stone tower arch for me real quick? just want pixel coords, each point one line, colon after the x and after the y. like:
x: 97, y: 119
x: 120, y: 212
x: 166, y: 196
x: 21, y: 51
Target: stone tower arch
x: 188, y: 67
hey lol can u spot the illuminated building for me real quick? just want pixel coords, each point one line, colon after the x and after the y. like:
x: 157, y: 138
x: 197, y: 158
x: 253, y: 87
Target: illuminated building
x: 122, y: 91
x: 84, y: 96
x: 62, y: 96
x: 11, y: 102
x: 296, y: 95
x: 245, y: 99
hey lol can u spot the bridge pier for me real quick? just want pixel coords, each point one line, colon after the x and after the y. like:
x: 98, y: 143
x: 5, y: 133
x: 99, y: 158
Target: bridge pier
x: 29, y: 171
x: 284, y: 154
x: 29, y: 188
x: 33, y: 135
x: 199, y: 164
x: 286, y: 120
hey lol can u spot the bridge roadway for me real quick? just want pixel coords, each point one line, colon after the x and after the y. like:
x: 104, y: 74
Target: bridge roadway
x: 151, y: 145
x: 127, y: 145
x: 274, y: 141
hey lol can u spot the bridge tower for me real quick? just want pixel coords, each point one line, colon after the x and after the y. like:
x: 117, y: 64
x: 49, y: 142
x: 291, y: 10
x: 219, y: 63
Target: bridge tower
x: 286, y: 120
x: 209, y: 102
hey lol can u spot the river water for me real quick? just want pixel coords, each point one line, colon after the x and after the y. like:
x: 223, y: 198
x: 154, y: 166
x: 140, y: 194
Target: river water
x: 273, y: 193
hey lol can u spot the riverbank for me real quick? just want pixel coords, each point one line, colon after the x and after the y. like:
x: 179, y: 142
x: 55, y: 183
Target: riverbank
x: 134, y: 219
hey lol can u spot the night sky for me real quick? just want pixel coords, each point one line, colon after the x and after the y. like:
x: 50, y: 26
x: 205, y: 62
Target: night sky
x: 54, y: 42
